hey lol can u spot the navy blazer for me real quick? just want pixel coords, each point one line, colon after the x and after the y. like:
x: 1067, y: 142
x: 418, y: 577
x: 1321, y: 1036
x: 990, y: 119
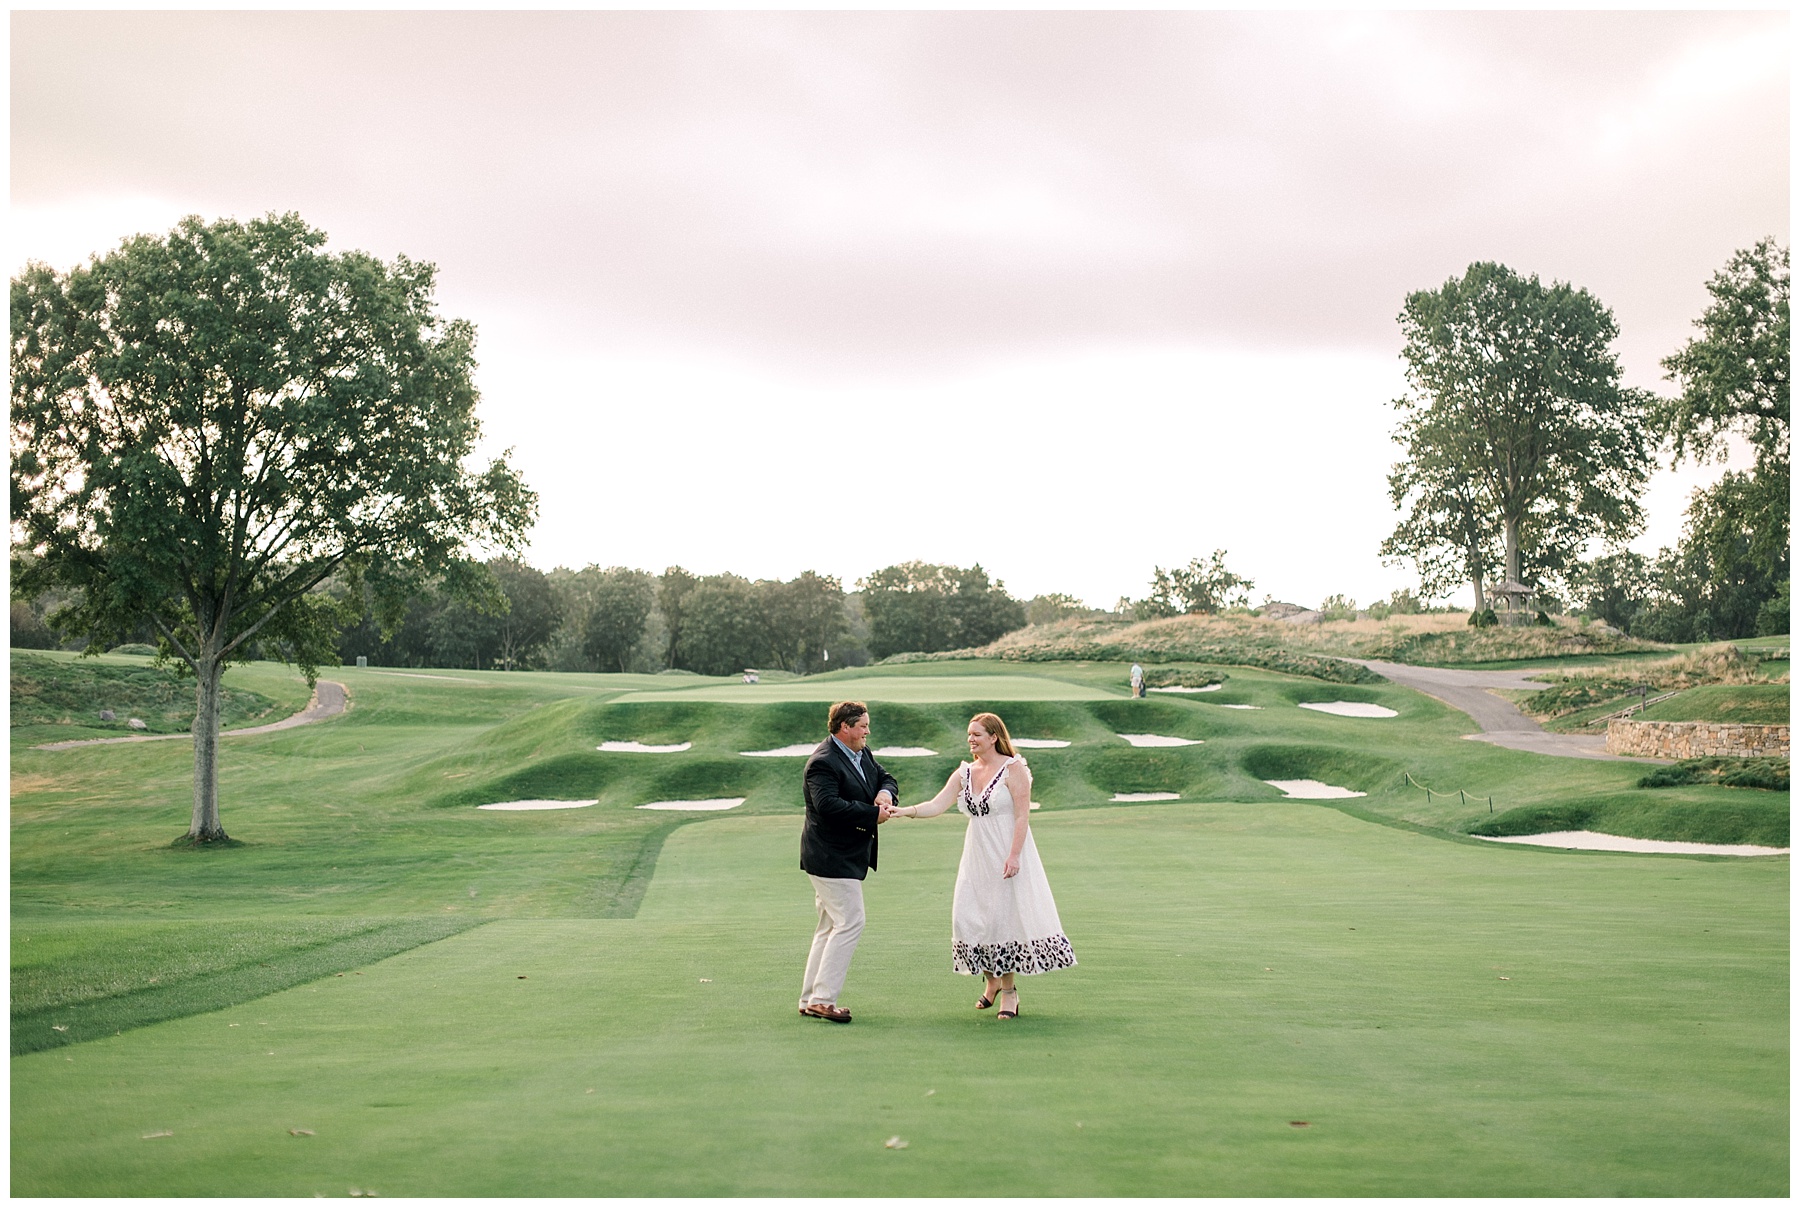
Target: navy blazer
x: 838, y: 838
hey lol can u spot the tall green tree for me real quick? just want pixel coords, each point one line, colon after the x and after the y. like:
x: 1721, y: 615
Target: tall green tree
x: 672, y: 588
x: 924, y: 606
x: 803, y: 618
x: 1614, y: 587
x: 1714, y: 584
x: 1734, y: 379
x: 505, y: 630
x: 206, y: 425
x: 1514, y: 398
x: 1202, y: 586
x: 723, y: 630
x: 533, y: 611
x: 618, y: 610
x: 1446, y: 529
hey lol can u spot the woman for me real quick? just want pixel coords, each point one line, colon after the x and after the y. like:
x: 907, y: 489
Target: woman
x: 1003, y: 920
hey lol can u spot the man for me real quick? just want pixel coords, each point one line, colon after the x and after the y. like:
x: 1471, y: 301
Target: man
x: 848, y: 795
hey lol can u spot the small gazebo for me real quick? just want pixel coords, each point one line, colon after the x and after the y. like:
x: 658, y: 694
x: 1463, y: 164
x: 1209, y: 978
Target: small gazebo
x: 1518, y: 598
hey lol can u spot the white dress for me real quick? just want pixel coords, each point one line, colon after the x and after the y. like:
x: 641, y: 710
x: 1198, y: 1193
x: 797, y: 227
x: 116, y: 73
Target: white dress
x: 1001, y: 924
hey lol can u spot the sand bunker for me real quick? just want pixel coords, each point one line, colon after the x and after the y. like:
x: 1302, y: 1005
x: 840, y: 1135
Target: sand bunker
x: 1595, y: 841
x: 1240, y: 706
x: 799, y: 748
x: 902, y: 752
x: 707, y: 803
x: 536, y: 805
x: 1145, y: 797
x: 1040, y: 742
x: 1312, y: 790
x: 638, y: 748
x: 1159, y: 740
x: 1349, y: 708
x: 1208, y: 688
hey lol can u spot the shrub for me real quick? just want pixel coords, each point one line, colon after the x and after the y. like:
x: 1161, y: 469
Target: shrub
x: 1772, y: 616
x: 1771, y: 774
x: 29, y: 632
x: 1182, y: 677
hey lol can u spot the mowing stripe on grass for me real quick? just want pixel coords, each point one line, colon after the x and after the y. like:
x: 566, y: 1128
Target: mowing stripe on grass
x: 621, y: 899
x: 72, y: 1022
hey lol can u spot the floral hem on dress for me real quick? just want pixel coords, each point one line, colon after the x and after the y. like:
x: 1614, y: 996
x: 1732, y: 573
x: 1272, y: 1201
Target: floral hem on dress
x: 1013, y: 956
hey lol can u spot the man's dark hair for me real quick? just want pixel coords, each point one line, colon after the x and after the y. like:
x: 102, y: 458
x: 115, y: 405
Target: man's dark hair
x: 846, y: 713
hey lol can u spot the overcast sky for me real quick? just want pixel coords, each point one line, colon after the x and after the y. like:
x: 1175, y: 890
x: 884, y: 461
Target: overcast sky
x: 1069, y: 294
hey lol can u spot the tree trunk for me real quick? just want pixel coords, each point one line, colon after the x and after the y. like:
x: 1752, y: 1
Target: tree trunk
x: 1512, y: 549
x: 1480, y: 592
x: 205, y: 826
x: 1513, y: 614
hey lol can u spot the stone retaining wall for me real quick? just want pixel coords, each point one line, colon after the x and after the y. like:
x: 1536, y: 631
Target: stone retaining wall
x: 1695, y: 740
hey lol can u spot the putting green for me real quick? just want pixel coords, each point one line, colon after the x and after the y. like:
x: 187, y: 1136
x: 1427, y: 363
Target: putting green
x: 1445, y: 1019
x: 920, y: 690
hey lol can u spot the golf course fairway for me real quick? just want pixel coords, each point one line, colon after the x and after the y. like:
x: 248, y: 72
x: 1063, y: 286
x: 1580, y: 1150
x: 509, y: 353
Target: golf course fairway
x: 1273, y: 997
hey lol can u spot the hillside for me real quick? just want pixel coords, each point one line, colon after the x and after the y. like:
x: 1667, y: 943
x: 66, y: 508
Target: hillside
x: 1317, y: 650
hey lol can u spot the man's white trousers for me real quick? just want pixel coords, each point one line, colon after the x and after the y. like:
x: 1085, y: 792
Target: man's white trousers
x: 840, y: 903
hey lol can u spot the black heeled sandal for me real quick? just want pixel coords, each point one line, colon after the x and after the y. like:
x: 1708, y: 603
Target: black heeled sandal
x: 1012, y: 1014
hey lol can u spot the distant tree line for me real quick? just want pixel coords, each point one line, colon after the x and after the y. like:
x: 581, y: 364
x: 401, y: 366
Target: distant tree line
x: 624, y: 619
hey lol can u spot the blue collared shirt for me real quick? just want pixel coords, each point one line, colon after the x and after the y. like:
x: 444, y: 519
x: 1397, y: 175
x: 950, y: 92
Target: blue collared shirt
x: 855, y: 758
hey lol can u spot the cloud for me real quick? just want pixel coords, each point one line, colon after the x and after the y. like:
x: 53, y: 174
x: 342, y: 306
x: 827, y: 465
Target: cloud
x: 689, y: 237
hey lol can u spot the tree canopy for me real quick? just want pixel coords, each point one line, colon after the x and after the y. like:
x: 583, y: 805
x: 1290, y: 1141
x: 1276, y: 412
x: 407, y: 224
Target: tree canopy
x: 207, y: 425
x: 618, y: 612
x: 1515, y: 426
x: 1199, y: 587
x: 1734, y: 378
x: 926, y: 607
x: 1734, y: 375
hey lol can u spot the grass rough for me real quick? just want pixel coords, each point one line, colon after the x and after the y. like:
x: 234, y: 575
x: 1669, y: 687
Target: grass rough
x: 71, y: 693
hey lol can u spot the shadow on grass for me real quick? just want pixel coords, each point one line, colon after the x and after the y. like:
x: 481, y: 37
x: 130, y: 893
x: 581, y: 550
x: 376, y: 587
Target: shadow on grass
x: 91, y: 1019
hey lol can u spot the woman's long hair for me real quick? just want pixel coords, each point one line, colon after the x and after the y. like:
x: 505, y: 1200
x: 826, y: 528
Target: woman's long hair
x: 993, y: 725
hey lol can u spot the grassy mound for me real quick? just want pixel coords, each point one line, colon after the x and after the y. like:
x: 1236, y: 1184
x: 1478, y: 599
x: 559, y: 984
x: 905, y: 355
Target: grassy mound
x: 1721, y: 682
x: 1302, y: 693
x: 1176, y: 719
x: 1473, y: 647
x: 1771, y: 774
x: 1151, y: 770
x: 1175, y: 640
x: 48, y: 691
x: 1718, y: 816
x: 1746, y: 704
x: 1339, y: 766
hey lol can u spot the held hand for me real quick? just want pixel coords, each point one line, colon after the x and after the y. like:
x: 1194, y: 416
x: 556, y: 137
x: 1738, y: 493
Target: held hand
x: 1011, y: 869
x: 883, y: 813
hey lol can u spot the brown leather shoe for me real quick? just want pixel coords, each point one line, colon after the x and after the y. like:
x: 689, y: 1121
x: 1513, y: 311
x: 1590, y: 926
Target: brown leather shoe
x: 822, y: 1010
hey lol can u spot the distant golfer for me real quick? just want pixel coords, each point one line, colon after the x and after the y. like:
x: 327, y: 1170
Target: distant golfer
x: 847, y: 796
x: 1137, y: 680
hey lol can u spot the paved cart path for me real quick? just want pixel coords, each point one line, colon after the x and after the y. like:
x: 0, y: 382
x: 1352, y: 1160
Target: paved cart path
x: 329, y: 699
x: 1502, y: 723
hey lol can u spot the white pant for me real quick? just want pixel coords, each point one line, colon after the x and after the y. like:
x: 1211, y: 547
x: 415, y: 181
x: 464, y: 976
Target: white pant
x: 840, y: 903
